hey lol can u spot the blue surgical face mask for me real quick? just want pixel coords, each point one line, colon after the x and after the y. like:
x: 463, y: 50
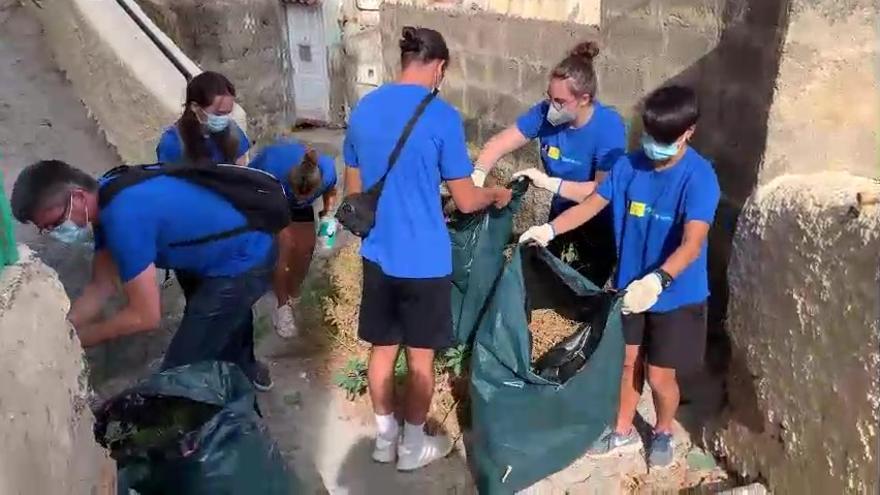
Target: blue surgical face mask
x: 71, y: 233
x: 658, y: 151
x: 216, y: 123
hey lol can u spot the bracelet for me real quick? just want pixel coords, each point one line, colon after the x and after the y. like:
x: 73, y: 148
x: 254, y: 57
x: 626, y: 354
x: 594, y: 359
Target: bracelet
x: 665, y: 278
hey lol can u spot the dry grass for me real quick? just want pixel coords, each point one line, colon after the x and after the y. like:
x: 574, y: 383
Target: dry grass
x: 342, y: 307
x: 548, y: 329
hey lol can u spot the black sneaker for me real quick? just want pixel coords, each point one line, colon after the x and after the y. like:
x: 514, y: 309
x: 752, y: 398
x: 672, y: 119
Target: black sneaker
x: 262, y: 380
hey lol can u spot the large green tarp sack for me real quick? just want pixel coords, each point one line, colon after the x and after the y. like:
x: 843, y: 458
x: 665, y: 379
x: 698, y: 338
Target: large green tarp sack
x: 8, y: 248
x: 478, y: 242
x: 192, y: 430
x: 526, y: 427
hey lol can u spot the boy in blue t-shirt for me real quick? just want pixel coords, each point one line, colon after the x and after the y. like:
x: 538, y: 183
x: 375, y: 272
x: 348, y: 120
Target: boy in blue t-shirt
x: 158, y: 223
x: 306, y: 176
x: 662, y: 200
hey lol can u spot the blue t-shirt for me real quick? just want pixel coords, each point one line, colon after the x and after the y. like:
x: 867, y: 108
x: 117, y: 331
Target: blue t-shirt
x: 283, y: 156
x: 650, y: 209
x: 142, y: 220
x: 410, y: 238
x: 575, y: 154
x: 170, y: 147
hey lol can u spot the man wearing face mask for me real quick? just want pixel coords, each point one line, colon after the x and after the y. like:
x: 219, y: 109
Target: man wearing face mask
x: 162, y: 222
x: 205, y: 132
x: 580, y: 139
x: 663, y: 200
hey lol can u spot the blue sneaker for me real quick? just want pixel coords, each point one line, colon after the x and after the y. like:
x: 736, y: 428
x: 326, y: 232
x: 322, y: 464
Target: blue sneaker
x: 662, y: 450
x: 612, y: 443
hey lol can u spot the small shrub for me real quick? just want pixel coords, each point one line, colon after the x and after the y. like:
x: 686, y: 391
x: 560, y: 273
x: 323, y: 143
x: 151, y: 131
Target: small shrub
x: 353, y: 378
x: 455, y: 360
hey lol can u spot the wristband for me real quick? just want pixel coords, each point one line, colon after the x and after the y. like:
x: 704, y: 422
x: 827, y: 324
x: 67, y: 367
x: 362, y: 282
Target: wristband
x: 665, y: 278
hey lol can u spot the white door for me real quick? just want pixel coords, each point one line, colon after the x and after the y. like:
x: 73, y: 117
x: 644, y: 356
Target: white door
x: 308, y: 54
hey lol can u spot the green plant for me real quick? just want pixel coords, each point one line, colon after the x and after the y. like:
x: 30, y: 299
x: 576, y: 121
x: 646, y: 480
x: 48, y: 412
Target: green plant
x: 400, y: 368
x: 455, y: 360
x: 352, y: 378
x: 569, y: 254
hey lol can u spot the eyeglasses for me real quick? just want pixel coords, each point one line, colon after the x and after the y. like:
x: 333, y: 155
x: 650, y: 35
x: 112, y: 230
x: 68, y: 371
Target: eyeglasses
x: 65, y: 215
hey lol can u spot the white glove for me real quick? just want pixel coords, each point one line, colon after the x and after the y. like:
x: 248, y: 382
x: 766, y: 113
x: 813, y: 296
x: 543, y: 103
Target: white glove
x: 541, y: 234
x: 642, y: 294
x: 479, y: 177
x: 540, y: 179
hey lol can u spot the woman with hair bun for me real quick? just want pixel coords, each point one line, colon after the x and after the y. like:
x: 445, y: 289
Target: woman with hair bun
x: 580, y: 139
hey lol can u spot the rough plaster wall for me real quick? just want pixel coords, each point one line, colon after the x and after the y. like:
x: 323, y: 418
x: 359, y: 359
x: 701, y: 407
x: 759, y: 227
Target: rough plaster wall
x: 803, y: 321
x: 826, y: 111
x: 246, y: 41
x: 46, y: 433
x: 125, y: 82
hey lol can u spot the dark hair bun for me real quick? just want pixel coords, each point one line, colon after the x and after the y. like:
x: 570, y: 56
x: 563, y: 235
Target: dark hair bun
x: 587, y: 50
x: 409, y: 40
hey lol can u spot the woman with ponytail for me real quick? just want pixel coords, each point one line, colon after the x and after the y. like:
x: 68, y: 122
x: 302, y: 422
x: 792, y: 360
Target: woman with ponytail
x: 580, y: 139
x: 306, y: 176
x: 205, y: 133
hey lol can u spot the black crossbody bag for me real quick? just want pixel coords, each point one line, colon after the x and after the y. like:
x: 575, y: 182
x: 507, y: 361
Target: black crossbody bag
x: 357, y: 212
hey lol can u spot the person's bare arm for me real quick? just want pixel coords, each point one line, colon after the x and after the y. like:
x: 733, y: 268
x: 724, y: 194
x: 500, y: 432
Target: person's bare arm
x: 577, y: 191
x: 101, y: 287
x: 469, y: 198
x: 695, y: 234
x: 579, y: 214
x: 141, y: 313
x: 353, y: 184
x: 499, y: 145
x: 243, y: 161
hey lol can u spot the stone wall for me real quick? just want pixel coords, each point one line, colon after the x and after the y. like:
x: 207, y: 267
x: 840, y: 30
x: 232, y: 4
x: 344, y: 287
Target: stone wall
x: 48, y: 443
x: 804, y: 327
x: 244, y: 40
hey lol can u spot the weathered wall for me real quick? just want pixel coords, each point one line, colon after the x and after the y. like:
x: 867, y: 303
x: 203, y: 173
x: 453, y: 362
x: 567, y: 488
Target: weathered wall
x: 826, y: 110
x: 803, y: 322
x: 46, y: 432
x: 244, y: 40
x: 126, y: 83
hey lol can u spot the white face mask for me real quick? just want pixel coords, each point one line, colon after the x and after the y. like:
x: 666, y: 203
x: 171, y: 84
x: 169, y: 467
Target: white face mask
x: 558, y: 115
x: 216, y: 123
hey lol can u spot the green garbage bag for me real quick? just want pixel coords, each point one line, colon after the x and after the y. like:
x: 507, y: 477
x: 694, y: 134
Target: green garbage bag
x: 478, y: 242
x: 525, y: 427
x: 8, y: 248
x: 192, y: 430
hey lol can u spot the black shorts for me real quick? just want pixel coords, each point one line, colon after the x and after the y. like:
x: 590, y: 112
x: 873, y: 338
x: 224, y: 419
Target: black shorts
x: 405, y: 311
x: 300, y: 214
x: 676, y: 339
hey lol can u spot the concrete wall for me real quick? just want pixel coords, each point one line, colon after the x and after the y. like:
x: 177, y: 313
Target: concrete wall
x: 244, y: 40
x: 124, y: 80
x: 804, y: 326
x: 826, y: 110
x: 46, y: 432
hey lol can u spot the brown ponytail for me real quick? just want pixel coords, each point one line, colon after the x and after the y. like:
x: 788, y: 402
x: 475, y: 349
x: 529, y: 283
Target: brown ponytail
x: 306, y: 179
x: 578, y: 69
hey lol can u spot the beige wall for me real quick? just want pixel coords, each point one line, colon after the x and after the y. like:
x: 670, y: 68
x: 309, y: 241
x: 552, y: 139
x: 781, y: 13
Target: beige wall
x: 126, y: 83
x: 46, y: 431
x: 826, y: 109
x: 578, y: 11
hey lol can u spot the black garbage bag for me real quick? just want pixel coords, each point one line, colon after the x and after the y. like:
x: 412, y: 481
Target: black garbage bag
x: 527, y: 426
x: 192, y: 430
x: 478, y: 242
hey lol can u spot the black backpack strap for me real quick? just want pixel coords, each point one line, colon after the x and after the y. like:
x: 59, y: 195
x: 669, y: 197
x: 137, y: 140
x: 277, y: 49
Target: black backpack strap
x: 125, y: 176
x: 407, y: 130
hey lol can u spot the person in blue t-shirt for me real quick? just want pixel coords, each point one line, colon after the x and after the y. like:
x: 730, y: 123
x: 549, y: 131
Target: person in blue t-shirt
x: 205, y: 132
x: 580, y: 139
x: 306, y: 176
x: 407, y: 256
x: 663, y: 201
x: 139, y: 232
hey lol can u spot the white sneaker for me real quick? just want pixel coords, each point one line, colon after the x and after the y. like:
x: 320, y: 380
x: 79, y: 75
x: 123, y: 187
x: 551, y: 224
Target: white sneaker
x: 384, y: 450
x: 410, y: 458
x: 284, y: 322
